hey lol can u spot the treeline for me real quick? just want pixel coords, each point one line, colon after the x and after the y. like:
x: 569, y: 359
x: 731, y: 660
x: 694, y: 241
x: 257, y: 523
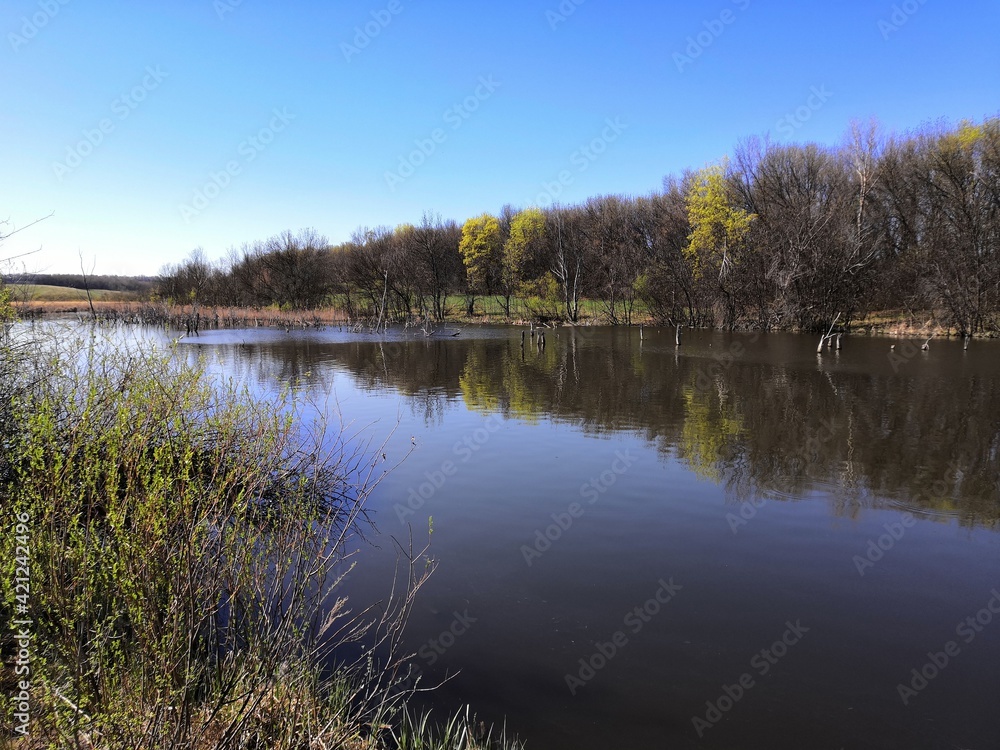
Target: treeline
x: 777, y: 237
x: 131, y: 284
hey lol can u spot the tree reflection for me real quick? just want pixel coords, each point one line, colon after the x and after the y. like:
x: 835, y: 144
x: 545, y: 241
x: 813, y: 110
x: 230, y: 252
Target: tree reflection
x: 766, y: 421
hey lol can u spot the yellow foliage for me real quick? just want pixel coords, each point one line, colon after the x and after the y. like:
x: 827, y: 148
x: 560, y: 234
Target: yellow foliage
x: 480, y: 248
x: 717, y: 227
x: 509, y: 389
x: 706, y: 432
x: 968, y: 135
x: 527, y: 228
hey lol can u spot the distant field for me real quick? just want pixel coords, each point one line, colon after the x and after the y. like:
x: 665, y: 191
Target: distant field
x: 46, y: 293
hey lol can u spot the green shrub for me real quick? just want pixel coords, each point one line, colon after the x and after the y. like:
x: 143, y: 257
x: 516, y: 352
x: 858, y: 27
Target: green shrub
x: 187, y: 540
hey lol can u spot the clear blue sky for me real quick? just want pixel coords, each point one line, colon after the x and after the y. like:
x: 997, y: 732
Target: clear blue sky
x: 176, y: 92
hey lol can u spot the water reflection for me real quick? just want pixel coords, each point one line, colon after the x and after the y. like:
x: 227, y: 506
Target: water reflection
x: 762, y: 416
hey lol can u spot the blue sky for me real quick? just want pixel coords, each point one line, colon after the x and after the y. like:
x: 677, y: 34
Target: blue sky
x: 151, y: 130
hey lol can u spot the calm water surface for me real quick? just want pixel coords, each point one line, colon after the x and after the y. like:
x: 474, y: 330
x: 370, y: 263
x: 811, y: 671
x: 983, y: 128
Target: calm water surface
x: 733, y: 544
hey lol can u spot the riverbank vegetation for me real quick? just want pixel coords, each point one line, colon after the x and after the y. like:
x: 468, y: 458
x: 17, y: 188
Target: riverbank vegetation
x: 779, y: 237
x: 185, y: 543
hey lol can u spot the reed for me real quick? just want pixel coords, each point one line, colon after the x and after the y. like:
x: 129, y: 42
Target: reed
x: 188, y: 540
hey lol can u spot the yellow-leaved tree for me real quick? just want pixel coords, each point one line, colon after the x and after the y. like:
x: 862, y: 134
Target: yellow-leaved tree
x: 481, y: 247
x: 718, y: 230
x: 527, y: 231
x: 717, y: 227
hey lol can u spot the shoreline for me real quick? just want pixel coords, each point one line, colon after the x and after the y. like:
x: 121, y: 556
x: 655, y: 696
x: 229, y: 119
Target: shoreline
x: 885, y: 323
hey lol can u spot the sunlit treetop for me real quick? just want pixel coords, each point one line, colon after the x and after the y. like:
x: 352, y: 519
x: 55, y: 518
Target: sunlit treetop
x: 717, y: 227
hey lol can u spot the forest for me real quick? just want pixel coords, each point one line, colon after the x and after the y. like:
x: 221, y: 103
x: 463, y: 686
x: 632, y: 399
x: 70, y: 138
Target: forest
x: 775, y: 237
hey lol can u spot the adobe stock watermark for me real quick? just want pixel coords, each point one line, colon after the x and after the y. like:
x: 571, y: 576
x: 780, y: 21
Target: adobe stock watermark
x: 432, y: 650
x: 899, y: 16
x: 455, y: 117
x: 31, y: 25
x: 792, y: 121
x: 121, y: 107
x: 876, y: 549
x: 561, y: 522
x: 224, y: 7
x: 581, y: 159
x: 24, y: 637
x: 249, y: 150
x: 633, y: 622
x: 760, y: 664
x: 714, y: 28
x: 435, y: 648
x: 750, y: 508
x: 562, y: 13
x: 364, y: 35
x: 721, y: 362
x: 463, y: 450
x: 908, y: 349
x: 966, y: 630
x: 748, y: 511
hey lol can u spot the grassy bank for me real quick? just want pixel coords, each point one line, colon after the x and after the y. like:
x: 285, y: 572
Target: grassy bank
x: 50, y: 293
x: 181, y: 546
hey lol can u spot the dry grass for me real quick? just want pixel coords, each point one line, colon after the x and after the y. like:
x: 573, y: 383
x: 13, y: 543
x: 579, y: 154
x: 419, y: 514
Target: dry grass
x: 177, y: 315
x: 905, y: 324
x: 35, y: 307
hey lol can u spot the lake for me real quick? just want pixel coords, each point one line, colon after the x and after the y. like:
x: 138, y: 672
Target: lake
x: 731, y: 543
